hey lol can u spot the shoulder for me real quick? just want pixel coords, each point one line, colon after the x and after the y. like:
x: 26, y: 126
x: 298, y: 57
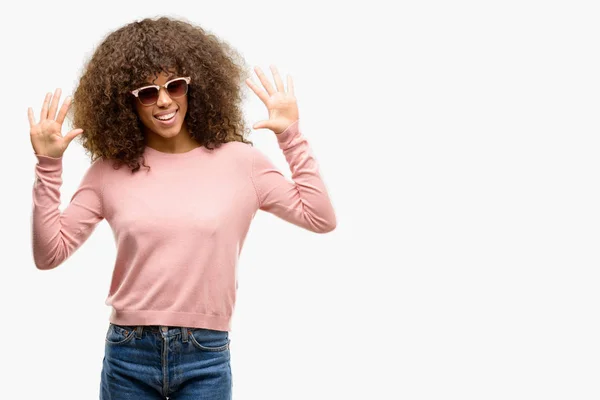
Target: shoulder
x: 247, y: 156
x: 237, y: 150
x: 97, y: 166
x: 236, y: 146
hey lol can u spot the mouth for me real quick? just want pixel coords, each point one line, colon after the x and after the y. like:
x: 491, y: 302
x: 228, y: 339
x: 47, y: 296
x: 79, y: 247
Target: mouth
x: 171, y: 118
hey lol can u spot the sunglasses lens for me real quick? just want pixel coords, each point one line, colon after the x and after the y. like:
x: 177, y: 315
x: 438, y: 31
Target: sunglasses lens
x: 177, y: 88
x: 148, y: 95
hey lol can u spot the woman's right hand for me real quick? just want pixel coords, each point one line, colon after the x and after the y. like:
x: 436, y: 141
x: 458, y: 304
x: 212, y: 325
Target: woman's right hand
x: 46, y: 137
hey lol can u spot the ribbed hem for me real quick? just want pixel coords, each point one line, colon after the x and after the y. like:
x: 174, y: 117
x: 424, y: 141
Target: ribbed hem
x: 170, y: 318
x: 290, y: 131
x: 49, y: 163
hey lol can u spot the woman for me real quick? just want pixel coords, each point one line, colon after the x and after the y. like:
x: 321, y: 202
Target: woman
x: 168, y: 93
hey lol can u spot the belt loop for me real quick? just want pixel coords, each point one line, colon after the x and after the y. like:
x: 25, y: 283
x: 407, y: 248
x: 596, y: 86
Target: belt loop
x: 184, y: 334
x: 138, y: 331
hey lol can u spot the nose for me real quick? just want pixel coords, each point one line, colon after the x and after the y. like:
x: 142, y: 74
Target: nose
x: 163, y: 98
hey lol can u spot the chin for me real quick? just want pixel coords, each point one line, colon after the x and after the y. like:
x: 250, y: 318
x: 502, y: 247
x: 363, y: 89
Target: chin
x: 168, y: 134
x: 173, y: 130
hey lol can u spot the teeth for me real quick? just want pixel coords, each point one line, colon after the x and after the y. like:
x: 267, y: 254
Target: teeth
x: 166, y: 117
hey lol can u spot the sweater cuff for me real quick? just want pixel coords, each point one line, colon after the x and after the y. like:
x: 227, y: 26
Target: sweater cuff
x: 49, y: 163
x: 289, y: 133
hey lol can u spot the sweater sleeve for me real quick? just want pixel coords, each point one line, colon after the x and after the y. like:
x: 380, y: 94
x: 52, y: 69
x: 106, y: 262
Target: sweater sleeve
x: 56, y: 235
x: 303, y: 202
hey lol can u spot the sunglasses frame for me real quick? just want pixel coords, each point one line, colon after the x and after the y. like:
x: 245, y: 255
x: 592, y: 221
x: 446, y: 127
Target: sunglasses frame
x: 136, y: 91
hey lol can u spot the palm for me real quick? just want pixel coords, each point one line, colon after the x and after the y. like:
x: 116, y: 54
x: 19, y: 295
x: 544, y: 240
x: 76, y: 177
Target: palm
x: 279, y: 104
x: 47, y: 135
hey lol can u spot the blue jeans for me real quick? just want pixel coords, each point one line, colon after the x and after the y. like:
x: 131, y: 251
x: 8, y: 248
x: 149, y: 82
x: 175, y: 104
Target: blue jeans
x: 159, y: 362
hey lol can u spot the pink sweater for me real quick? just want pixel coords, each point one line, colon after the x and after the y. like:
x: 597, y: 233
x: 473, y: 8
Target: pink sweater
x: 180, y: 226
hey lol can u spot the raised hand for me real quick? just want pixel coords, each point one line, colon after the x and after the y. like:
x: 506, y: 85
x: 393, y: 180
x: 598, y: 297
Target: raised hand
x: 46, y: 136
x: 282, y: 107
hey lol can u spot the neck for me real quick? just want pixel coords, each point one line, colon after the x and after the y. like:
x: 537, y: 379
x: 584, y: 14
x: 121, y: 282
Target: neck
x: 180, y: 143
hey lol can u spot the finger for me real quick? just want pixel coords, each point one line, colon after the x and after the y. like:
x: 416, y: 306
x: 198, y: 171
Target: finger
x: 44, y: 112
x: 54, y: 104
x: 278, y: 81
x: 290, y: 85
x: 259, y: 92
x: 30, y: 117
x: 63, y: 110
x: 264, y: 80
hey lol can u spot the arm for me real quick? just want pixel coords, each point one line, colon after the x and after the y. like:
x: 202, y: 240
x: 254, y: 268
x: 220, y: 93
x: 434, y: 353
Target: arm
x: 56, y: 235
x: 303, y: 202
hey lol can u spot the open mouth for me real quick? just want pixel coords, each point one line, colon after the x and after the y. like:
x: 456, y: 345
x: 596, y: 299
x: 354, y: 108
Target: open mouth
x: 170, y: 118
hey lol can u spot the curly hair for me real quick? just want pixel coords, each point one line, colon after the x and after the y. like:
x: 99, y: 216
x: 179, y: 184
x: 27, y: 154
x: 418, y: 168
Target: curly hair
x: 104, y: 108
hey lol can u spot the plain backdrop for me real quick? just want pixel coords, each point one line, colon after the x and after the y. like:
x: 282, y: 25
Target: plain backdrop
x: 459, y: 142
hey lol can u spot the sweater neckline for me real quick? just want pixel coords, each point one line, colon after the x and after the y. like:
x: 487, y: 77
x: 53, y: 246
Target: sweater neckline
x: 157, y: 153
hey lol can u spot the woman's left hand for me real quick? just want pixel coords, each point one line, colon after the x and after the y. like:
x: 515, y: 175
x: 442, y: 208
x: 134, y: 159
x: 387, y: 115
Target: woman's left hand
x: 283, y: 110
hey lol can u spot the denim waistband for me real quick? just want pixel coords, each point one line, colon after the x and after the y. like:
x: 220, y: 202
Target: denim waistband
x: 153, y: 328
x: 157, y: 328
x: 165, y: 330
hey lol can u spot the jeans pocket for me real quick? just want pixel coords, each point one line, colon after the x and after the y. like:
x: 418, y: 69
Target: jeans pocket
x: 209, y: 339
x: 118, y: 334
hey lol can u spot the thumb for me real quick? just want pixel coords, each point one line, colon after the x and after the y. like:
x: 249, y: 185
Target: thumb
x: 260, y: 125
x: 71, y: 135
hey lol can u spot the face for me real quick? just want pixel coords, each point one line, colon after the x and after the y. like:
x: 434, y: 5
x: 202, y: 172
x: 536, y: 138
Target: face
x: 164, y: 105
